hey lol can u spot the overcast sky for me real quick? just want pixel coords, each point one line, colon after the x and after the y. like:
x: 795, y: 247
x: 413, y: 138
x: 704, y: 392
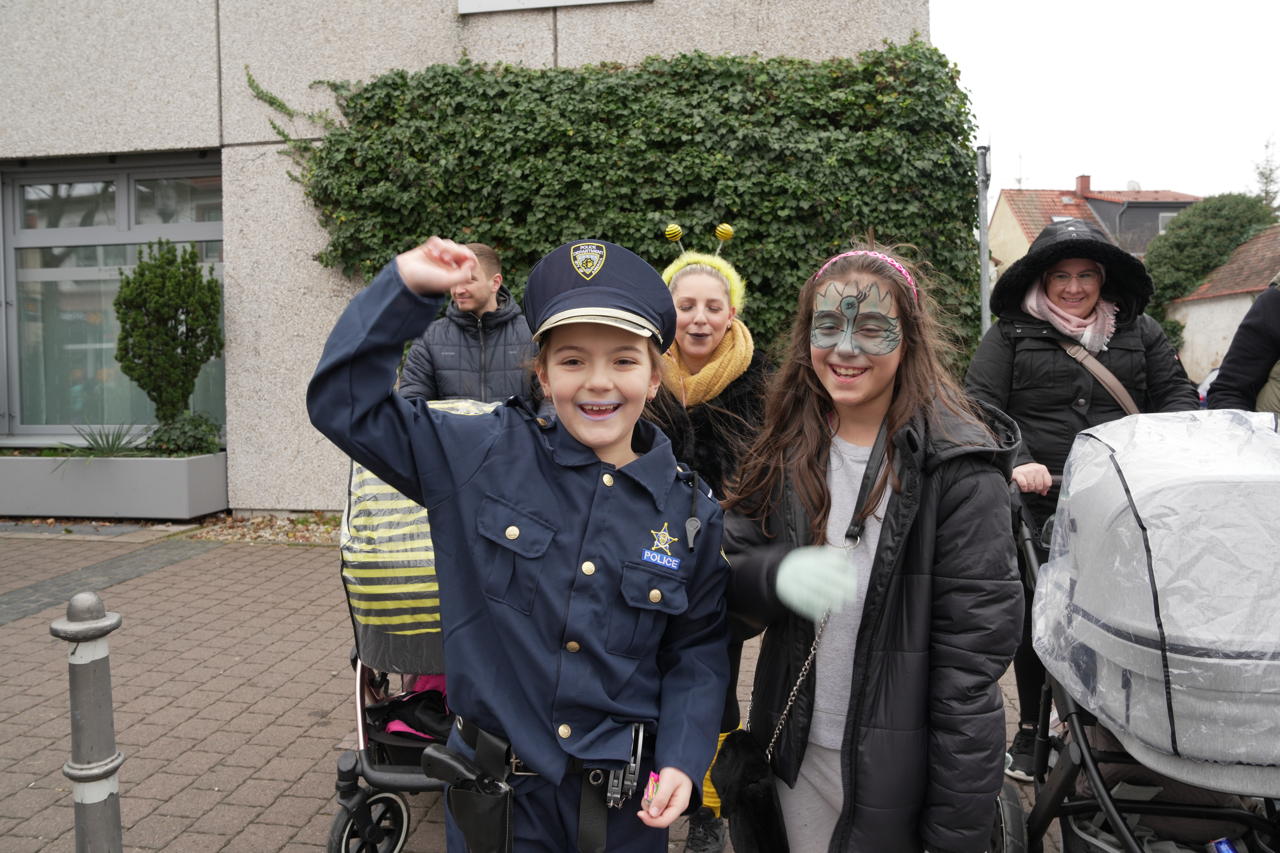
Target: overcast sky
x: 1174, y: 95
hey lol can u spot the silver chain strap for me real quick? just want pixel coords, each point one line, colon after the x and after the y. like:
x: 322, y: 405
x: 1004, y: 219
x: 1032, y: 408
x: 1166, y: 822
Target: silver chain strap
x: 795, y: 691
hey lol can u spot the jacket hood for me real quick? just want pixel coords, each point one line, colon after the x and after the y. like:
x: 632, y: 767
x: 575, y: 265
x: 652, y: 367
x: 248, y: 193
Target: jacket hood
x: 949, y: 435
x: 506, y: 311
x: 1127, y: 282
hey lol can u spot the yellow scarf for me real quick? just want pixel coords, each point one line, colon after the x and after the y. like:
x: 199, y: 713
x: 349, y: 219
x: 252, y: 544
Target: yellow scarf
x: 730, y: 360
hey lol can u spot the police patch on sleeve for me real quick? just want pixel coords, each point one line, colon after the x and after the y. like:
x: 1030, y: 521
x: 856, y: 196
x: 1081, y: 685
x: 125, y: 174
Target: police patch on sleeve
x: 662, y: 541
x: 587, y: 258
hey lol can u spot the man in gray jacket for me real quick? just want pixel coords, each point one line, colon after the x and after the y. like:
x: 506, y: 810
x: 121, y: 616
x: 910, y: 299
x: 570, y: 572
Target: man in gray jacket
x: 478, y: 349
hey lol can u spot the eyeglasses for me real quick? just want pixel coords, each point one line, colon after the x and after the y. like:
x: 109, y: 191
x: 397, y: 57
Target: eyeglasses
x: 1087, y: 277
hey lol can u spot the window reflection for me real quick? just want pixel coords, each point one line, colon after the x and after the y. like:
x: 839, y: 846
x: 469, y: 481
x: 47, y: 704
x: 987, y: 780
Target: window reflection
x: 67, y: 332
x: 166, y: 201
x: 83, y: 204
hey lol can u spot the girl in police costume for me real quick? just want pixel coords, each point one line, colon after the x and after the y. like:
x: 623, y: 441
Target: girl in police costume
x: 872, y: 514
x: 582, y: 584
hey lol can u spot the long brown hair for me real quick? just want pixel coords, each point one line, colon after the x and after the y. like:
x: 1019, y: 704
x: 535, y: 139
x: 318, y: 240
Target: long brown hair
x: 799, y: 416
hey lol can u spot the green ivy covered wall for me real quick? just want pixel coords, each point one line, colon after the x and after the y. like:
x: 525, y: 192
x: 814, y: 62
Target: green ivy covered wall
x: 799, y: 156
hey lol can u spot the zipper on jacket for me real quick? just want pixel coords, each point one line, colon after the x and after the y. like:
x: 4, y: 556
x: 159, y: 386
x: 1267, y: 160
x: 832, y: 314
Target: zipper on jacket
x: 480, y: 331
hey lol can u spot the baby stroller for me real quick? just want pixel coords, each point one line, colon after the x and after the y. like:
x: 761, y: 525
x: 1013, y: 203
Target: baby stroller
x: 388, y: 572
x: 1156, y: 620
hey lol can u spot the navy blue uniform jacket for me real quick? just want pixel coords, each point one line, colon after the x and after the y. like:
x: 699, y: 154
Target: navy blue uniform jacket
x: 569, y: 612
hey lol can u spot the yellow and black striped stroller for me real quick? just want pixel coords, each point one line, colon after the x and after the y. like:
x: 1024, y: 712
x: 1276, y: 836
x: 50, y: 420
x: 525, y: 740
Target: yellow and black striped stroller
x: 388, y: 573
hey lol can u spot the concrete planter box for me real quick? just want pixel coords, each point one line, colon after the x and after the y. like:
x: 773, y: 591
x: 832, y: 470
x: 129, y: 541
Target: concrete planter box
x: 105, y: 487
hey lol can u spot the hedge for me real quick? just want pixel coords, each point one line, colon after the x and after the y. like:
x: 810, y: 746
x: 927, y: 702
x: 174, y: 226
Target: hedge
x: 799, y: 156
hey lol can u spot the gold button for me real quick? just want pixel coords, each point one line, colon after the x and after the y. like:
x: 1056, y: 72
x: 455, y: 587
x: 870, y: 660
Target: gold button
x: 655, y: 595
x: 513, y: 532
x: 588, y: 568
x: 571, y: 646
x: 608, y: 479
x: 542, y: 422
x: 564, y: 730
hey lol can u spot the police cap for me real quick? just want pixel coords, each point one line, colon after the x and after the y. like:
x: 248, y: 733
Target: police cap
x: 591, y: 281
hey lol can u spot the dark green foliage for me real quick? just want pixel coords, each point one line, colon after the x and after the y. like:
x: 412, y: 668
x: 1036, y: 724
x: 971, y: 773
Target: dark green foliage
x: 170, y: 316
x: 799, y: 156
x: 190, y: 434
x: 1198, y: 240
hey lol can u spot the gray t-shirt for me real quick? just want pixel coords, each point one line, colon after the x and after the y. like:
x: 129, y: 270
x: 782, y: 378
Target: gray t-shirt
x: 833, y: 664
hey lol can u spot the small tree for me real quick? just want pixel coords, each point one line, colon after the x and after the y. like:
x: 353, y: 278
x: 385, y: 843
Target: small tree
x: 1268, y: 172
x: 170, y: 325
x: 1198, y: 240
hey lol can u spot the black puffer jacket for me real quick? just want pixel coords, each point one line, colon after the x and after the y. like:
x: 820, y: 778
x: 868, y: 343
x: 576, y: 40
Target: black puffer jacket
x: 477, y: 358
x: 711, y: 437
x: 942, y: 617
x: 1253, y: 354
x: 1021, y: 368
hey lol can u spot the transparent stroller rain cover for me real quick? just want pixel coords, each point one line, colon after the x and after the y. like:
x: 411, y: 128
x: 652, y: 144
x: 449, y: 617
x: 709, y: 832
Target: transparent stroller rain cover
x: 1159, y: 608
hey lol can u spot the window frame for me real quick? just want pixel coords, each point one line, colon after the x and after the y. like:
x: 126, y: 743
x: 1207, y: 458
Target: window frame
x: 124, y: 170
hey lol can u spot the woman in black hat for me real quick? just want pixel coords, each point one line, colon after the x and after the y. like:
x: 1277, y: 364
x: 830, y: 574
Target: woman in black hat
x: 1074, y: 286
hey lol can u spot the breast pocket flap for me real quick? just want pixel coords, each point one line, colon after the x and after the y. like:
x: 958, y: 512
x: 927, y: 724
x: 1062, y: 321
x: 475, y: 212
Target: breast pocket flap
x: 506, y: 524
x: 650, y: 589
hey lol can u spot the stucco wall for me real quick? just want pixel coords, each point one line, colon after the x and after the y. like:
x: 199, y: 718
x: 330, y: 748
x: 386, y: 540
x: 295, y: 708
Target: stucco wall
x: 107, y: 77
x: 1210, y: 325
x: 150, y: 76
x: 1005, y: 239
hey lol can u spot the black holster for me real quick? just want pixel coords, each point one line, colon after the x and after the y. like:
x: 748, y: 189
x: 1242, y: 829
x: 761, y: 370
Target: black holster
x: 478, y: 801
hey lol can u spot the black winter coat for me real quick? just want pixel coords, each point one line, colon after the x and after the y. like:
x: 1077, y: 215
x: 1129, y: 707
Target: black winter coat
x: 1254, y: 351
x: 942, y: 618
x: 711, y: 437
x: 477, y: 358
x: 1021, y: 369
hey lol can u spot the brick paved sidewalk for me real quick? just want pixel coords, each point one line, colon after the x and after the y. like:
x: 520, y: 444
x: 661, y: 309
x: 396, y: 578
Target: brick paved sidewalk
x: 231, y: 687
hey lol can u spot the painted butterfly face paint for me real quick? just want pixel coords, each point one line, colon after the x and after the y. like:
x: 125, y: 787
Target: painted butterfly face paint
x: 855, y: 317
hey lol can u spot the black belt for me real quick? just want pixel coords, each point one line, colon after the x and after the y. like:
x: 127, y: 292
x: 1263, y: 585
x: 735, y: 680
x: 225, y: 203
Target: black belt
x: 493, y: 755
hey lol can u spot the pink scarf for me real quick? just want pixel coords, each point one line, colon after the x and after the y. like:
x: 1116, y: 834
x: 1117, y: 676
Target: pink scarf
x: 1092, y: 332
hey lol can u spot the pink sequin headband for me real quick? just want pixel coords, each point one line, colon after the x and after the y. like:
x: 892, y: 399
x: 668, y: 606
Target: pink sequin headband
x: 881, y: 256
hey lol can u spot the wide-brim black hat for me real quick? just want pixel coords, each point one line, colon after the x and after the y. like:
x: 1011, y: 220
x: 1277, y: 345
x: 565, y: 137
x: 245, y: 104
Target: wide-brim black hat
x: 592, y: 281
x: 1126, y: 283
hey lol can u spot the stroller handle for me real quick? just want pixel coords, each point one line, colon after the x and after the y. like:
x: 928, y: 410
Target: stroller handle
x: 1028, y: 543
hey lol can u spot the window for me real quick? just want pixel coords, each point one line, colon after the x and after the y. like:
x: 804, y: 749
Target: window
x: 1166, y: 218
x: 67, y: 234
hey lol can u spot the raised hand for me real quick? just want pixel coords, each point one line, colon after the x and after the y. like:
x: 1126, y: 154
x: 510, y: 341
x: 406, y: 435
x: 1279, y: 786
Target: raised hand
x: 436, y: 266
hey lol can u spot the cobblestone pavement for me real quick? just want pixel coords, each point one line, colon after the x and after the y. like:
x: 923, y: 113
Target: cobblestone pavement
x: 231, y: 689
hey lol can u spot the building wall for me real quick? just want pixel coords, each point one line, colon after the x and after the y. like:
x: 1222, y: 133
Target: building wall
x: 146, y: 75
x: 1005, y: 239
x: 1210, y: 326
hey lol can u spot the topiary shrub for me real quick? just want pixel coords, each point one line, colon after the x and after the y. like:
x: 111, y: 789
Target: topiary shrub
x: 799, y: 156
x: 170, y: 315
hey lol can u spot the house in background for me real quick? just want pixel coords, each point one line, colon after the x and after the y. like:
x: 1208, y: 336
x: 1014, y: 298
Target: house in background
x: 1132, y: 217
x: 1213, y: 310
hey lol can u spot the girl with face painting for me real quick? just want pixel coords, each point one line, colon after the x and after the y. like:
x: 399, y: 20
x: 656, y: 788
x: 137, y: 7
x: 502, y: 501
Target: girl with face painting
x: 867, y: 535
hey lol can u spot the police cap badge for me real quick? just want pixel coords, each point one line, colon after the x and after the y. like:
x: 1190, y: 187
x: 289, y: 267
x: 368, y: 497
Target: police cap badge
x: 591, y: 281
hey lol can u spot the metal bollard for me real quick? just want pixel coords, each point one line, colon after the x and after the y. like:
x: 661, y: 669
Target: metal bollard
x: 94, y: 757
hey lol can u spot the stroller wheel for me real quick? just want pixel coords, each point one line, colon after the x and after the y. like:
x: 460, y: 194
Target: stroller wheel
x: 1009, y: 833
x: 390, y: 813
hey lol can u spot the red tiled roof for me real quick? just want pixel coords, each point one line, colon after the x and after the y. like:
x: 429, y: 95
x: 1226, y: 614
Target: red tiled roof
x: 1034, y: 209
x: 1250, y: 268
x: 1122, y: 196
